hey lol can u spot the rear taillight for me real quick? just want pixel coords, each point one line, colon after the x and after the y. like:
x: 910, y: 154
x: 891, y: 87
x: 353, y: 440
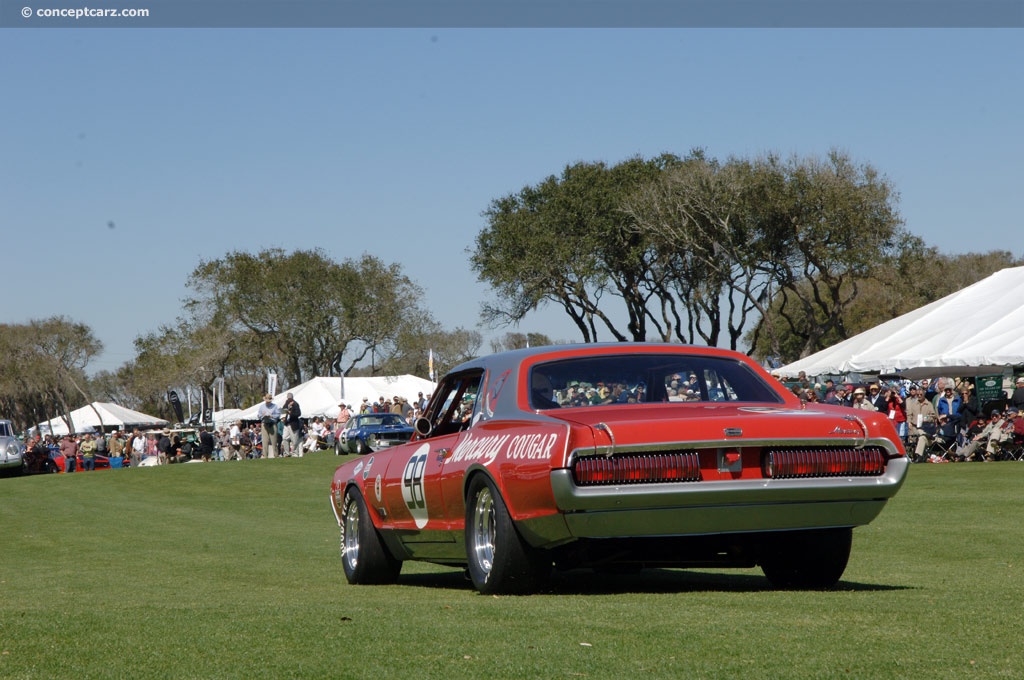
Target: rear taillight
x: 652, y: 468
x: 797, y: 463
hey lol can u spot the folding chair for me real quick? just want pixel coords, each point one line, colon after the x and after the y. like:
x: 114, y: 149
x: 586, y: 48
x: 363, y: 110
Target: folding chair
x: 1013, y: 448
x: 947, y: 441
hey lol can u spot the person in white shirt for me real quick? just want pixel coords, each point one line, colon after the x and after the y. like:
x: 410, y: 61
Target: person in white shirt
x: 235, y: 441
x: 269, y: 414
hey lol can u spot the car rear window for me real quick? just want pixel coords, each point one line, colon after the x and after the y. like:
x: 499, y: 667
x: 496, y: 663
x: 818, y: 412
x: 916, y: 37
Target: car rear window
x: 645, y: 378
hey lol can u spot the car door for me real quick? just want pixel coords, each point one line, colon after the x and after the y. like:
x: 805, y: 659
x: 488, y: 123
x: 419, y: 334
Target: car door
x: 412, y: 489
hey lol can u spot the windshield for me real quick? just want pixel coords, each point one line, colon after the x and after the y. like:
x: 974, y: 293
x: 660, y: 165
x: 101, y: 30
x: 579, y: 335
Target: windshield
x: 381, y: 419
x: 635, y: 379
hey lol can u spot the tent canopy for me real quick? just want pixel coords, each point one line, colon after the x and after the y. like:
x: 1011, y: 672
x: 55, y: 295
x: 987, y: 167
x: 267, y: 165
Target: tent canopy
x: 225, y: 417
x: 978, y: 330
x: 321, y: 396
x: 112, y: 415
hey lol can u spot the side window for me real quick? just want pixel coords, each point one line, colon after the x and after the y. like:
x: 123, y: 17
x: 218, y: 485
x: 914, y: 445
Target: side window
x: 456, y: 403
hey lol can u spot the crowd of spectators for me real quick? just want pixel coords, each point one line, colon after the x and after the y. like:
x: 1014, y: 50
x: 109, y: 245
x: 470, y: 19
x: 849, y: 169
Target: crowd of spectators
x: 941, y: 414
x: 287, y: 429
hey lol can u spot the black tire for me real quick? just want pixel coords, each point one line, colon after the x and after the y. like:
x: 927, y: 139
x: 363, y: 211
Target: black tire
x: 364, y: 556
x: 500, y: 561
x: 807, y: 559
x: 361, y: 448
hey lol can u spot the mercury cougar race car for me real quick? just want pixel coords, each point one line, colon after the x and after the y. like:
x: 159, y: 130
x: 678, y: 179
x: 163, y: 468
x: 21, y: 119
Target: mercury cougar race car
x: 617, y: 457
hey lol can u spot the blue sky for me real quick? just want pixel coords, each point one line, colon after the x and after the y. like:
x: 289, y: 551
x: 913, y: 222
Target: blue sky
x: 196, y: 142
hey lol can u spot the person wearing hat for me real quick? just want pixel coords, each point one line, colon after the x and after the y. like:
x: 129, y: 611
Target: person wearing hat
x: 860, y: 401
x: 827, y: 390
x: 877, y: 398
x: 366, y: 407
x: 163, y: 447
x: 992, y: 435
x: 839, y: 397
x: 116, y: 444
x: 234, y: 451
x: 1017, y: 398
x: 1018, y: 424
x: 396, y: 405
x: 269, y: 414
x: 344, y: 415
x: 922, y: 421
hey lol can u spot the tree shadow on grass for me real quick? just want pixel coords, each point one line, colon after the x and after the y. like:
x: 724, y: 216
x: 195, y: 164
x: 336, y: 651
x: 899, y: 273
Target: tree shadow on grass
x: 587, y: 582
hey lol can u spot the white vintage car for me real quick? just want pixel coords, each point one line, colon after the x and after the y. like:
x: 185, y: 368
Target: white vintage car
x: 12, y: 450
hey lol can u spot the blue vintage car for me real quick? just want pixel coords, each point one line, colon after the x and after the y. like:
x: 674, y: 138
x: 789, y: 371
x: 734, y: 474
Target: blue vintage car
x: 372, y: 431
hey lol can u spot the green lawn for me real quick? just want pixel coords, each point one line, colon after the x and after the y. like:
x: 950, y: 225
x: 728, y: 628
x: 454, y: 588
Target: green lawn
x: 232, y: 570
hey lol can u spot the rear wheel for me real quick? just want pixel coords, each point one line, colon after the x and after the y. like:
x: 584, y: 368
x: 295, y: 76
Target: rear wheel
x: 500, y: 561
x: 807, y: 559
x: 364, y: 556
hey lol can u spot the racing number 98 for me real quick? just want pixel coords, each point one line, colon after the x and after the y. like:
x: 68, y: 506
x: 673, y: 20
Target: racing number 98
x: 412, y: 482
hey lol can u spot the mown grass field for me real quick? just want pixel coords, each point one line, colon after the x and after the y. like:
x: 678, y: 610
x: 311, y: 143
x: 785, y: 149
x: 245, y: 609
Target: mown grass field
x: 231, y: 570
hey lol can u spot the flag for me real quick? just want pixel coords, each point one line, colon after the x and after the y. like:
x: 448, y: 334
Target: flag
x: 217, y: 389
x: 430, y: 365
x: 271, y: 382
x: 172, y: 397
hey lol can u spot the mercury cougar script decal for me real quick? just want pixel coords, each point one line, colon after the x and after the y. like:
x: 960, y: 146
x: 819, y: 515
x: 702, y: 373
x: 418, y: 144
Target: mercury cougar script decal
x: 486, y: 449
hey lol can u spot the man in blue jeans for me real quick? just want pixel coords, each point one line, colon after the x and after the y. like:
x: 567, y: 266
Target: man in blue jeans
x: 69, y: 449
x: 88, y: 451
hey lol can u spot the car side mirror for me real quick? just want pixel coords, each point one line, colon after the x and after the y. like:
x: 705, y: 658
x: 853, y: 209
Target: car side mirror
x: 423, y: 426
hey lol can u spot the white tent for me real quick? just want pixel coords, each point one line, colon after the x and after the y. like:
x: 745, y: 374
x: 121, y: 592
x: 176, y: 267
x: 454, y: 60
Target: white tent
x: 112, y: 415
x: 321, y: 396
x: 978, y: 330
x: 226, y: 417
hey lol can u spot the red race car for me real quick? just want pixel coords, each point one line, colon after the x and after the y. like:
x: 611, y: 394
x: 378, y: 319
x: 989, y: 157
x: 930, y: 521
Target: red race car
x: 618, y: 457
x: 102, y: 462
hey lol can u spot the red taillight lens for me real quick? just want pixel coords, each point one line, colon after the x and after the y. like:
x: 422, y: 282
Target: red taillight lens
x: 797, y: 463
x: 636, y: 469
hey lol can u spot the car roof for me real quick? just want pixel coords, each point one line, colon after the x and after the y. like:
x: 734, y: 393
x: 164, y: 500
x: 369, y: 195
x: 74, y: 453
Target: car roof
x: 516, y: 356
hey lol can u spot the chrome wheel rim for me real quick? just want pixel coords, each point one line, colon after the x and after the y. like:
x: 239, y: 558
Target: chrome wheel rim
x: 350, y: 539
x: 483, y: 530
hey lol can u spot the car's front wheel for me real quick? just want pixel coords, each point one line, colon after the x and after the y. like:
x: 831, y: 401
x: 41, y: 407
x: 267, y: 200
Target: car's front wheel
x: 364, y: 556
x: 500, y: 561
x: 807, y: 559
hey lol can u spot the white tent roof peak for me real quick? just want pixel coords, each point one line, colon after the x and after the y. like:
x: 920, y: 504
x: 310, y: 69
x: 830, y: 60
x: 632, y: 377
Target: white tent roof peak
x: 977, y: 330
x: 320, y: 396
x: 85, y: 419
